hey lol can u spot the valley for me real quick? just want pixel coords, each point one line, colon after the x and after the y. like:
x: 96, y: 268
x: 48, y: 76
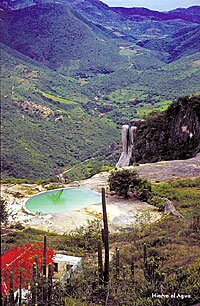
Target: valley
x: 82, y: 83
x: 85, y: 77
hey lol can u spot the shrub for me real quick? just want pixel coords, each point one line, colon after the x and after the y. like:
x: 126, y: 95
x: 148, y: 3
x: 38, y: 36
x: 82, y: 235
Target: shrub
x: 120, y: 180
x: 125, y: 182
x: 158, y: 202
x: 141, y: 188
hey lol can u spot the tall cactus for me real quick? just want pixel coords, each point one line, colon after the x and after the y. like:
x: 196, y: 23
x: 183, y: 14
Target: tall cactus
x: 50, y: 284
x: 20, y: 287
x: 34, y: 284
x: 44, y: 291
x: 117, y: 262
x: 133, y: 266
x: 45, y: 256
x: 105, y: 236
x: 145, y: 254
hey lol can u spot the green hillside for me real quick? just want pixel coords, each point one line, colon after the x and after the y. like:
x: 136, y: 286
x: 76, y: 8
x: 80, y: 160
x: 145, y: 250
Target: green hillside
x: 134, y: 92
x: 70, y: 82
x: 73, y: 114
x: 182, y: 42
x: 45, y: 128
x: 62, y: 40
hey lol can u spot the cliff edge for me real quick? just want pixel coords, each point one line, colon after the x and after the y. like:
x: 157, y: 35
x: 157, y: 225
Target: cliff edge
x: 169, y: 135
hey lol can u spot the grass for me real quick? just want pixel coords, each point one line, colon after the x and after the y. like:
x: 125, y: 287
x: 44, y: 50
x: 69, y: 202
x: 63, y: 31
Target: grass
x: 147, y: 109
x: 55, y: 98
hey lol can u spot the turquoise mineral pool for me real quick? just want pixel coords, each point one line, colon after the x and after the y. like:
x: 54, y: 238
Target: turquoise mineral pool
x: 62, y: 200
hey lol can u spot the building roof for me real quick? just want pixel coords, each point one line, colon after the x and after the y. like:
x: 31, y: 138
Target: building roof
x: 72, y: 260
x: 22, y: 258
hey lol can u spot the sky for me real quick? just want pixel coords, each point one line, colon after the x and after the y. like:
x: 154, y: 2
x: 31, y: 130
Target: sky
x: 159, y: 5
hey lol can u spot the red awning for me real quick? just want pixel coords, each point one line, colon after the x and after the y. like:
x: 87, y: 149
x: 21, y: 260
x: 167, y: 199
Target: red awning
x: 22, y: 258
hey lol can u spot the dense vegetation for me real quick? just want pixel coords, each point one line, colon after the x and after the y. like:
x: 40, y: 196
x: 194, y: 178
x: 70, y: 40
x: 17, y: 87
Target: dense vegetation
x: 49, y: 133
x: 159, y: 257
x: 65, y: 96
x: 182, y: 42
x: 62, y: 40
x: 172, y: 134
x: 125, y: 182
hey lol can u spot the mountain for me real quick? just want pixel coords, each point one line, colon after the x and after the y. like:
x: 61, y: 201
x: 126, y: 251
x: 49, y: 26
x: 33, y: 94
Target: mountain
x: 44, y: 125
x: 119, y: 22
x: 182, y: 42
x: 73, y: 73
x: 62, y: 40
x: 191, y: 14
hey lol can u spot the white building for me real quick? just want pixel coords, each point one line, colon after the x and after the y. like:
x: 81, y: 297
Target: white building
x: 65, y: 266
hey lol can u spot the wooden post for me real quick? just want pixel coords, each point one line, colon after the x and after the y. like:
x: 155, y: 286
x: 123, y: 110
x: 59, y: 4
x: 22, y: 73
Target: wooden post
x: 106, y: 242
x: 11, y: 290
x: 100, y: 263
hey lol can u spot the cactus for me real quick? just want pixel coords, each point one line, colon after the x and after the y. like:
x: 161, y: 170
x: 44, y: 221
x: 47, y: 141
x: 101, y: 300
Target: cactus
x: 20, y: 288
x: 43, y: 276
x: 105, y: 235
x: 145, y: 253
x: 11, y: 290
x: 100, y: 263
x: 33, y: 287
x: 45, y: 256
x: 50, y: 284
x: 117, y: 262
x: 133, y: 266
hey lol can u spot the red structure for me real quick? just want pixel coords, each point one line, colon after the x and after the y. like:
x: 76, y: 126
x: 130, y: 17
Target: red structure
x: 22, y: 258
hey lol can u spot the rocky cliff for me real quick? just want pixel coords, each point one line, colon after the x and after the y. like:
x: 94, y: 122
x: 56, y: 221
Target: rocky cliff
x: 172, y: 134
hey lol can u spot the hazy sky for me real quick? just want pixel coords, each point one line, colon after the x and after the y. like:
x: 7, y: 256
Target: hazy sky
x: 160, y: 5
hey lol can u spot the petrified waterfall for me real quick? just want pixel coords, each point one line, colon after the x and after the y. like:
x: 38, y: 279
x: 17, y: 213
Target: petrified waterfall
x: 128, y: 141
x: 173, y: 134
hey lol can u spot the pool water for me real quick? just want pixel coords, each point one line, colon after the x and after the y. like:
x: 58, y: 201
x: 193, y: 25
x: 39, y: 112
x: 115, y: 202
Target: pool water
x: 62, y: 200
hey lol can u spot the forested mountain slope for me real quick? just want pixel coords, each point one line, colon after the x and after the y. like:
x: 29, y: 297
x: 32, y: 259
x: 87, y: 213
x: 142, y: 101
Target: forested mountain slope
x: 54, y: 36
x: 43, y: 132
x: 182, y: 42
x: 74, y: 72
